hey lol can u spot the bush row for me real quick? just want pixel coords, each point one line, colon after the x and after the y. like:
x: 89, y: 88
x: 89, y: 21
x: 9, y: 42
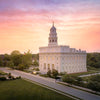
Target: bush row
x: 11, y: 78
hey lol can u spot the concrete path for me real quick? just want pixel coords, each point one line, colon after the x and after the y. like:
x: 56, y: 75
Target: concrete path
x: 51, y: 83
x: 89, y: 75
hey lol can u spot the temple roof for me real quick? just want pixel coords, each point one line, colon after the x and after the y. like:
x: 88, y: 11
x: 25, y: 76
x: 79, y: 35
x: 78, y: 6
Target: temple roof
x: 53, y: 29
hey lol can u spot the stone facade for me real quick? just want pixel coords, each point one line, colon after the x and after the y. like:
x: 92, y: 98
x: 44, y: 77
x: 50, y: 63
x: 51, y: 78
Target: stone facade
x: 61, y: 58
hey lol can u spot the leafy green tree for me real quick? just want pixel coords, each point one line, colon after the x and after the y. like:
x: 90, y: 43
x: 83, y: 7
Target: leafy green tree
x: 35, y: 56
x: 6, y: 59
x: 10, y: 64
x: 35, y: 63
x: 16, y: 57
x: 54, y: 73
x: 1, y: 61
x: 93, y: 60
x: 15, y: 52
x: 27, y: 59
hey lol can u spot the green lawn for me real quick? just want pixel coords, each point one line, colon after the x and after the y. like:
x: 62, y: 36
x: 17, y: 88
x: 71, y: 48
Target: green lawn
x: 23, y: 90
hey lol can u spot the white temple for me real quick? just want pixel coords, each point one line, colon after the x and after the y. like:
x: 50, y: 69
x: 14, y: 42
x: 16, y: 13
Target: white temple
x: 61, y: 58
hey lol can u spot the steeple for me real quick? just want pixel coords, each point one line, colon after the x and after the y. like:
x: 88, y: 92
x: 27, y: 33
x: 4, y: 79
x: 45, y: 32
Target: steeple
x: 52, y: 36
x: 53, y: 23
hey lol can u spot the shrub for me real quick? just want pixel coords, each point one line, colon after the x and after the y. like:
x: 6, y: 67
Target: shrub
x: 21, y: 67
x: 54, y: 73
x: 2, y: 78
x: 95, y: 78
x: 68, y: 79
x: 18, y: 77
x: 44, y: 75
x: 9, y: 76
x: 37, y: 69
x: 12, y: 77
x: 62, y: 73
x: 93, y: 85
x: 35, y: 63
x: 49, y: 73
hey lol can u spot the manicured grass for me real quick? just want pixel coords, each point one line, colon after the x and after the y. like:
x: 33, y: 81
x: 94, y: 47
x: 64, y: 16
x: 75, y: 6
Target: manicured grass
x: 24, y: 90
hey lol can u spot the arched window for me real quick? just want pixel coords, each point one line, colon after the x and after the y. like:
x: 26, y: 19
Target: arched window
x: 52, y: 40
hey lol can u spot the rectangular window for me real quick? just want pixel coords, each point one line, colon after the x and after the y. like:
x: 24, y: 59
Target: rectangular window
x: 53, y: 67
x: 48, y: 66
x: 44, y: 66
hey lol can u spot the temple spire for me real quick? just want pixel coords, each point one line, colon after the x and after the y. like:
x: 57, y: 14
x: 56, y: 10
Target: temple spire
x: 53, y: 23
x: 52, y: 36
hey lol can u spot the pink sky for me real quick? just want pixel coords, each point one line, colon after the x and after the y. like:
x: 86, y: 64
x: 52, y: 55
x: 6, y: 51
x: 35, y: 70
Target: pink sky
x: 26, y: 24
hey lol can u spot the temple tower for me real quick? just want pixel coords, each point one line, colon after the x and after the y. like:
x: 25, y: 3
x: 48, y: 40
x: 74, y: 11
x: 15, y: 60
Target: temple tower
x: 52, y: 36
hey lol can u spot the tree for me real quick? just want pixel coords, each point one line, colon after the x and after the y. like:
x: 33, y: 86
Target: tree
x: 54, y: 73
x: 27, y: 59
x: 17, y: 59
x: 35, y: 63
x: 10, y: 64
x: 35, y: 56
x: 6, y: 59
x: 1, y: 61
x: 93, y: 60
x: 49, y: 73
x: 15, y: 52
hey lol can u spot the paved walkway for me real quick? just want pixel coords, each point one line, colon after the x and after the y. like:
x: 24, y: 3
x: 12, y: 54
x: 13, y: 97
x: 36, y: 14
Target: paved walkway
x: 89, y: 75
x: 51, y: 83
